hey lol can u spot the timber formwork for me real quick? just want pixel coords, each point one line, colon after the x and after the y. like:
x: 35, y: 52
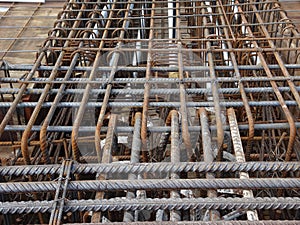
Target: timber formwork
x: 155, y: 112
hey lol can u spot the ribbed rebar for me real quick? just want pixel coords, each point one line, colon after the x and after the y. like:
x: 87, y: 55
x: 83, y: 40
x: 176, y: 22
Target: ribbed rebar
x: 117, y: 204
x: 172, y: 99
x: 234, y: 222
x: 114, y: 185
x: 151, y: 168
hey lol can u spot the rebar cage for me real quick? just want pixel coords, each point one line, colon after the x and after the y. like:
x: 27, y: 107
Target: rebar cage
x: 155, y: 112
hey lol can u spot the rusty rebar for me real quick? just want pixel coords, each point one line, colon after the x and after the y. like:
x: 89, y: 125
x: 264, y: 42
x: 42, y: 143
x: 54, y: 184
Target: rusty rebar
x: 203, y: 116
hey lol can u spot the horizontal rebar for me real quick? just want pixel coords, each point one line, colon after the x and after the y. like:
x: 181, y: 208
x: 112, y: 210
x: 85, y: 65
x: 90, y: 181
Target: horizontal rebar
x: 163, y: 167
x: 232, y: 222
x: 120, y: 129
x: 117, y: 204
x: 153, y: 184
x: 152, y: 80
x: 152, y: 91
x: 151, y: 104
x: 178, y: 56
x: 12, y: 67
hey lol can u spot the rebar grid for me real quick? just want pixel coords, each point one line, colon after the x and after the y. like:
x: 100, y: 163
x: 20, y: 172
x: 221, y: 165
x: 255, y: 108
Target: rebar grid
x: 155, y: 112
x: 23, y: 27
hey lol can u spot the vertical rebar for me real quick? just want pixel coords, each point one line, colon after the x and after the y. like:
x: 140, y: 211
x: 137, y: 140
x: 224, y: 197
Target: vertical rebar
x: 241, y: 85
x: 175, y: 215
x: 114, y: 66
x: 208, y: 158
x: 182, y: 93
x: 38, y: 107
x: 240, y: 157
x: 59, y: 96
x: 147, y: 87
x: 134, y: 158
x: 29, y: 77
x: 85, y: 98
x: 214, y: 86
x: 106, y: 158
x: 276, y: 91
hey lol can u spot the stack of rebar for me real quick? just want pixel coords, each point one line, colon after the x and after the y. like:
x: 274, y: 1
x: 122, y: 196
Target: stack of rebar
x: 155, y: 112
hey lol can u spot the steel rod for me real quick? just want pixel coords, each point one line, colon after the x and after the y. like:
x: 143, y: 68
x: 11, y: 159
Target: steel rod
x: 151, y: 168
x: 133, y: 204
x: 113, y: 185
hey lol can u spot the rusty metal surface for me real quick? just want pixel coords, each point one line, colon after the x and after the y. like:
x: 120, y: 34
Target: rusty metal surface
x: 154, y: 112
